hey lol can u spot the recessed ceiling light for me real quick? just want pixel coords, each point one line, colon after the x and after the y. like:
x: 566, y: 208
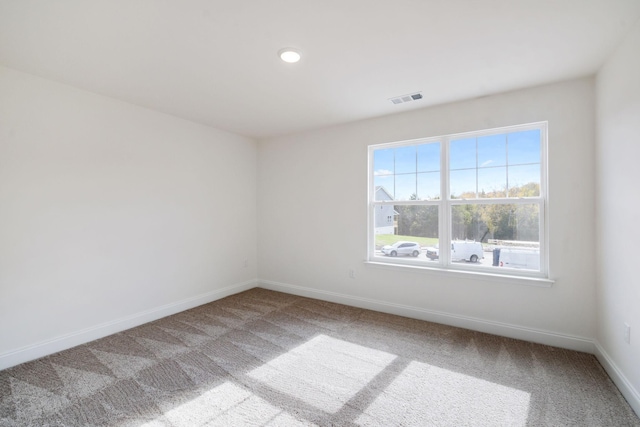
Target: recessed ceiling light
x: 289, y: 54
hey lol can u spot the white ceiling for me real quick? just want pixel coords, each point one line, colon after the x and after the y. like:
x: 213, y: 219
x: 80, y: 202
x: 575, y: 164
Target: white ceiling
x: 215, y: 61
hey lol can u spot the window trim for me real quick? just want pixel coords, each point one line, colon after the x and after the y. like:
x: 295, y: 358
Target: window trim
x: 446, y: 203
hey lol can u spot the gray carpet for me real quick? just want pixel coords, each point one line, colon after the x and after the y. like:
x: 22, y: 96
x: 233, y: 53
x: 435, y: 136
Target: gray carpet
x: 270, y: 359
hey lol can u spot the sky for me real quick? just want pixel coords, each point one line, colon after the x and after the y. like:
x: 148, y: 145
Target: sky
x: 486, y: 163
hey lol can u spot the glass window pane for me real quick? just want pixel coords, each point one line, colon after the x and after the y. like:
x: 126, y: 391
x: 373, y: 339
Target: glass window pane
x: 492, y: 151
x: 524, y: 147
x: 413, y: 224
x: 429, y: 186
x: 463, y: 184
x: 406, y: 187
x: 462, y: 154
x: 386, y: 182
x: 418, y: 221
x: 511, y: 231
x: 466, y: 223
x: 384, y: 188
x: 524, y: 181
x: 405, y: 158
x: 429, y: 157
x: 383, y: 162
x: 385, y: 220
x: 492, y: 182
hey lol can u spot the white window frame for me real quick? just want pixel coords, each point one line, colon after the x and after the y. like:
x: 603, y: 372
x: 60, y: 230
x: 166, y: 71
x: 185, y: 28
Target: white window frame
x: 446, y: 203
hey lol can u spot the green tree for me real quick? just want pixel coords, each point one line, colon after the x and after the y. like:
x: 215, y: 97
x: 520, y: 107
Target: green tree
x: 416, y: 220
x: 478, y: 222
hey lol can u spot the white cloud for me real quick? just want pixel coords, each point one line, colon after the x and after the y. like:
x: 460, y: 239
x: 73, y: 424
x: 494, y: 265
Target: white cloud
x: 382, y: 172
x: 486, y: 163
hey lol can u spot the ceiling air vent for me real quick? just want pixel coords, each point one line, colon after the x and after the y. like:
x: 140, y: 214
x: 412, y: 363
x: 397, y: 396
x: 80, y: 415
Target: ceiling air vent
x: 406, y: 98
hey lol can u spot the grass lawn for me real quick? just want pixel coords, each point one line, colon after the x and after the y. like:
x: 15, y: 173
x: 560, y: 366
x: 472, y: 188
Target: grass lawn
x: 389, y: 239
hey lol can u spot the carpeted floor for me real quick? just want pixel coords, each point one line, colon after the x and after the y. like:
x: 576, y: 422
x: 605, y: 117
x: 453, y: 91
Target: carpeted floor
x: 270, y: 359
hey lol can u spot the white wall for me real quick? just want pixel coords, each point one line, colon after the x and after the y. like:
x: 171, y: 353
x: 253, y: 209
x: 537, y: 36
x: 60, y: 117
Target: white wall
x: 312, y: 199
x: 109, y: 211
x: 618, y: 208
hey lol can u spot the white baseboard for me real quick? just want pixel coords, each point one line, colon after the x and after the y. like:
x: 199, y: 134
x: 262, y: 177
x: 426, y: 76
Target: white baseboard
x: 496, y: 328
x: 491, y: 327
x: 54, y: 345
x: 620, y: 380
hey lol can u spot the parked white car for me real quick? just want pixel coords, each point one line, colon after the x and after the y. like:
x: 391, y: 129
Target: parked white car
x: 402, y: 248
x: 460, y: 251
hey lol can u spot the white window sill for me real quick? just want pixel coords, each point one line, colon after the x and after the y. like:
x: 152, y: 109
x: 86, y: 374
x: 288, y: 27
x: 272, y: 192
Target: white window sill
x: 467, y: 274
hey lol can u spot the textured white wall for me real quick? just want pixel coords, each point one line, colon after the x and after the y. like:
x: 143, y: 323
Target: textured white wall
x: 312, y: 199
x: 618, y: 207
x: 108, y: 210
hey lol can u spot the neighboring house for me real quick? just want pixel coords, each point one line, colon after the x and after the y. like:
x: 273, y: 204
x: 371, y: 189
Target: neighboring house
x: 387, y: 217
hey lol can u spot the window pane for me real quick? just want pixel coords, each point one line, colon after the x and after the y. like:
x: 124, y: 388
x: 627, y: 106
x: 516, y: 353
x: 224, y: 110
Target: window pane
x: 414, y: 224
x: 429, y: 186
x: 406, y: 187
x: 429, y: 157
x: 496, y: 221
x: 383, y: 162
x: 492, y: 151
x: 382, y: 192
x: 387, y: 183
x: 463, y: 184
x: 524, y: 147
x: 418, y: 221
x: 524, y: 181
x: 492, y: 182
x: 504, y: 165
x: 513, y: 230
x: 406, y: 159
x: 385, y: 220
x: 466, y: 223
x: 462, y: 154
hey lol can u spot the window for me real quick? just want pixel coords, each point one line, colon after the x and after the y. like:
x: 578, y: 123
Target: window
x: 482, y: 194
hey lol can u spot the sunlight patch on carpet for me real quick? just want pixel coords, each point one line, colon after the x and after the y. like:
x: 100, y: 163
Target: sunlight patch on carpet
x: 324, y: 372
x: 427, y: 395
x: 227, y: 405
